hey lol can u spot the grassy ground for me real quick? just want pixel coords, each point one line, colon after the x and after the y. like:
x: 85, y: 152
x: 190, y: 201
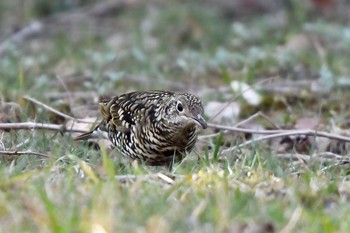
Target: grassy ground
x: 189, y: 47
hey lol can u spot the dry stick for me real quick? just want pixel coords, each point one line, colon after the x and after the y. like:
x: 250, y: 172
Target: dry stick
x: 33, y: 125
x: 22, y: 143
x: 51, y: 109
x: 124, y: 178
x: 242, y: 130
x: 160, y: 176
x: 226, y: 131
x: 335, y: 165
x: 294, y: 156
x: 284, y: 133
x: 235, y: 126
x: 24, y: 153
x: 167, y: 179
x: 320, y: 157
x: 327, y: 154
x: 266, y: 118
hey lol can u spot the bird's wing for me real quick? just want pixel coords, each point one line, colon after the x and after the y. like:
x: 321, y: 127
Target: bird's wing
x: 111, y: 117
x: 91, y: 134
x: 123, y: 111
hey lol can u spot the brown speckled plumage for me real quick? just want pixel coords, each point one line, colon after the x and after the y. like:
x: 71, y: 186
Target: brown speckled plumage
x: 155, y: 127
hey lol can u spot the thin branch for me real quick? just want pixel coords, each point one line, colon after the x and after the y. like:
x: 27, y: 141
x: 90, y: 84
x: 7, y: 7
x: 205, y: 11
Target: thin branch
x: 47, y: 107
x: 165, y: 178
x: 331, y: 155
x: 252, y: 117
x: 284, y: 133
x: 242, y: 130
x: 127, y: 177
x: 51, y: 109
x: 78, y: 94
x: 322, y: 157
x: 294, y: 156
x: 213, y: 135
x: 33, y: 125
x: 266, y: 118
x: 24, y: 153
x: 22, y: 143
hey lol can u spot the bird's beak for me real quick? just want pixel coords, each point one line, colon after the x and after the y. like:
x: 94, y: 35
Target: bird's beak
x: 199, y: 119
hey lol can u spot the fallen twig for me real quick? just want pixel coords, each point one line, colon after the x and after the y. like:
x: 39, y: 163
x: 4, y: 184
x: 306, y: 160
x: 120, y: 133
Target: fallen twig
x: 78, y: 94
x: 284, y: 133
x: 33, y: 125
x: 242, y: 130
x: 165, y: 178
x: 161, y: 176
x: 126, y: 177
x: 24, y: 153
x: 47, y: 107
x: 51, y: 109
x: 322, y: 157
x: 258, y: 114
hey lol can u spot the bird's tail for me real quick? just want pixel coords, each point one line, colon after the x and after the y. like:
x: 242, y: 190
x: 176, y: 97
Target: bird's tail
x: 99, y: 131
x: 85, y: 136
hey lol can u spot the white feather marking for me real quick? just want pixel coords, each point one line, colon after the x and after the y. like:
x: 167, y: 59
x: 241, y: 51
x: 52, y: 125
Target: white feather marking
x: 100, y: 134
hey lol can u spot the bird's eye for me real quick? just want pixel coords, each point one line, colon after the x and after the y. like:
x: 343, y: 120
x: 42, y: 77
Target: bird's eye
x: 179, y: 107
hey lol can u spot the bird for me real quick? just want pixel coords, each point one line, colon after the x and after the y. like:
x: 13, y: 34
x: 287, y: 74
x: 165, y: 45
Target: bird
x: 156, y: 127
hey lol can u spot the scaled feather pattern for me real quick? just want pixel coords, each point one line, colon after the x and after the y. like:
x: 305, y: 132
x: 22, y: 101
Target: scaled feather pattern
x: 155, y: 127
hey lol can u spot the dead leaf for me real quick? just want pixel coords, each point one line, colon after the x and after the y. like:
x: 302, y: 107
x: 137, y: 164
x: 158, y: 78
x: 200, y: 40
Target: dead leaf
x: 247, y: 92
x: 223, y: 111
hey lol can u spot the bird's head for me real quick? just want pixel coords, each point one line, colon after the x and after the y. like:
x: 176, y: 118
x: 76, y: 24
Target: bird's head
x: 184, y: 109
